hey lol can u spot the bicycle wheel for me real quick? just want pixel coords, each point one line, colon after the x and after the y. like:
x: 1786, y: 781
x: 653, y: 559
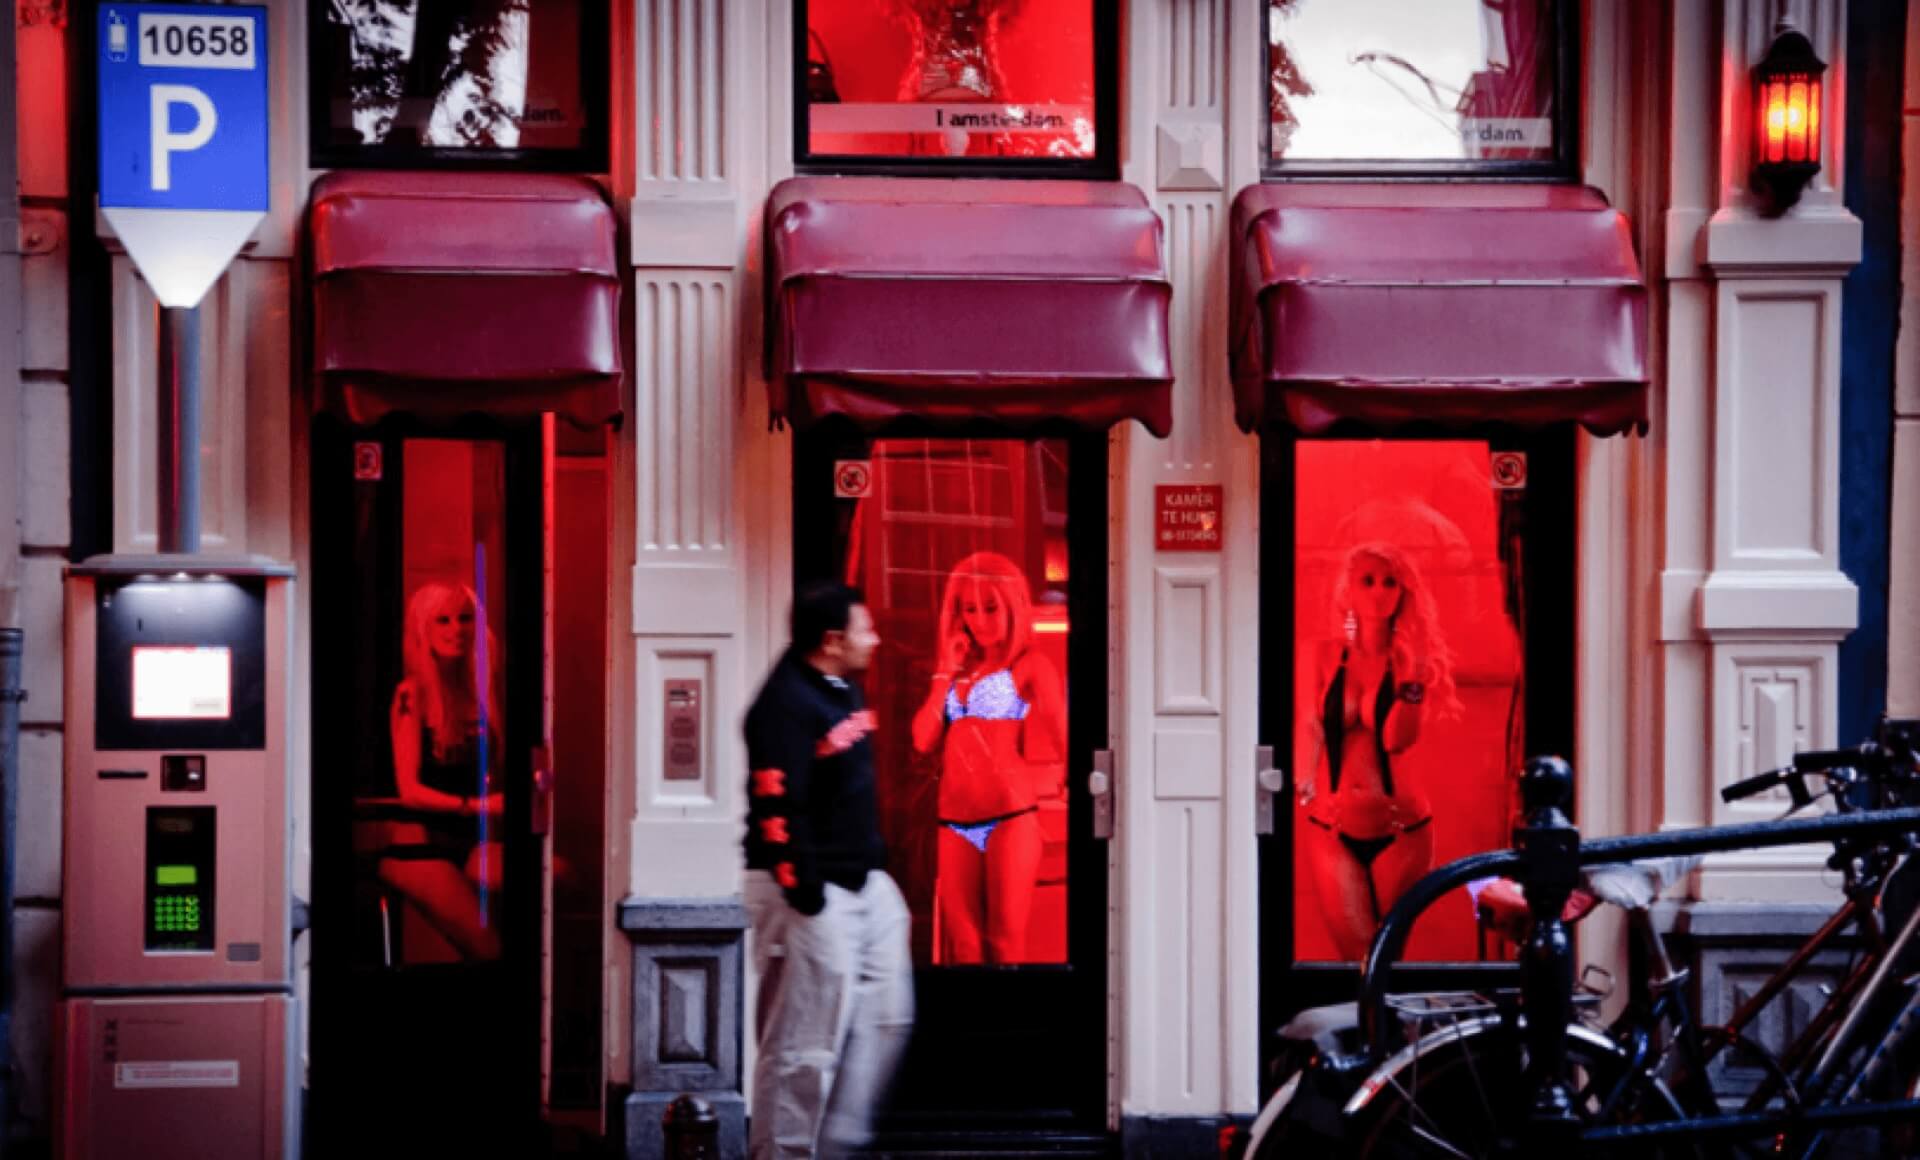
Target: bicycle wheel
x: 1460, y: 1093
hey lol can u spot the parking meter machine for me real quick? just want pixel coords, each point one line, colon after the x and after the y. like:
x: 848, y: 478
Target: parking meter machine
x: 177, y: 1016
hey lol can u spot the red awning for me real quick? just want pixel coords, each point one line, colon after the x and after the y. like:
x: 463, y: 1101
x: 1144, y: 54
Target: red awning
x: 1023, y: 305
x: 443, y: 294
x: 1457, y: 305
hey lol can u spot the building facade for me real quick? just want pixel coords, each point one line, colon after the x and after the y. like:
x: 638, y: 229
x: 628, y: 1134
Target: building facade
x: 1163, y: 328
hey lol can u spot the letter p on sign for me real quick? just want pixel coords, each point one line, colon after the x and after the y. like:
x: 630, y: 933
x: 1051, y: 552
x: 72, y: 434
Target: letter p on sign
x: 166, y: 142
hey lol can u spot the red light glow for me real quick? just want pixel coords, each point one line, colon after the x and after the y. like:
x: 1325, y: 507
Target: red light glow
x: 1789, y: 119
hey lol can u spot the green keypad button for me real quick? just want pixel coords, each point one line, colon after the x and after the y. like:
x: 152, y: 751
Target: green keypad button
x: 176, y: 913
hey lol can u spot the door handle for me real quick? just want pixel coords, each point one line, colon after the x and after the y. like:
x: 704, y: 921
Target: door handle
x: 1269, y: 784
x: 1100, y: 788
x: 540, y: 818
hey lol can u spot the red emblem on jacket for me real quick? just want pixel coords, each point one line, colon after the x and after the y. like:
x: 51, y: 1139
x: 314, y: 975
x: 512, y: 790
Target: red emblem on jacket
x: 846, y: 734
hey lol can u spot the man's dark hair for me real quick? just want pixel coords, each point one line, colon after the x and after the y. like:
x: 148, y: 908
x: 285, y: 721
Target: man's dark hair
x: 821, y: 607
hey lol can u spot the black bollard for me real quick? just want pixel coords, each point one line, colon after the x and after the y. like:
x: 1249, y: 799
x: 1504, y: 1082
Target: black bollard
x: 1550, y: 847
x: 692, y: 1130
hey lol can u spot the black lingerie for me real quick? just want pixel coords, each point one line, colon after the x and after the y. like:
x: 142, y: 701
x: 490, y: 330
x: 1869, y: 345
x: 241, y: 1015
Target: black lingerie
x: 1333, y: 724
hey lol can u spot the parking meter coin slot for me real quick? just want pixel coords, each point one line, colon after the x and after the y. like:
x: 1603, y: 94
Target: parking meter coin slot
x: 183, y: 772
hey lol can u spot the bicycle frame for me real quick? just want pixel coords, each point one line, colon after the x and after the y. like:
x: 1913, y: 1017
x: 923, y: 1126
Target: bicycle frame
x: 1546, y: 864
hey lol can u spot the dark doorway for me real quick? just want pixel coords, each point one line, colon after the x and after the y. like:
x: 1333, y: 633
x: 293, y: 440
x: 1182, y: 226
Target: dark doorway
x: 431, y: 800
x: 978, y: 555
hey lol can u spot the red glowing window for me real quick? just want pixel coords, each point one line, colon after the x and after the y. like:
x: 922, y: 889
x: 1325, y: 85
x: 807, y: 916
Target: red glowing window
x: 1442, y: 84
x: 1410, y: 680
x: 955, y: 83
x: 960, y: 546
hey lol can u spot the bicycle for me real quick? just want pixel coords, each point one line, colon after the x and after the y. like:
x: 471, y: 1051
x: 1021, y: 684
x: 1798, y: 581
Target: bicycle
x: 1460, y: 1089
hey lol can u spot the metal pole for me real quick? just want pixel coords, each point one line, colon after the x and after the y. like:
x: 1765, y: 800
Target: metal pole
x: 1550, y: 848
x: 12, y: 641
x: 179, y: 413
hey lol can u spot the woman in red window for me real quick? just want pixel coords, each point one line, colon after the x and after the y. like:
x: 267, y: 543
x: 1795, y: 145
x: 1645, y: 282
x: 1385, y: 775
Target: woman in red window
x: 446, y: 740
x: 996, y: 714
x: 1368, y: 834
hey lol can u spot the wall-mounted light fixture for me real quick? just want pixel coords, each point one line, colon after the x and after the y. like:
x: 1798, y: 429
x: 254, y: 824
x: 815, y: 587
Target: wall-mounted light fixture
x: 1786, y: 116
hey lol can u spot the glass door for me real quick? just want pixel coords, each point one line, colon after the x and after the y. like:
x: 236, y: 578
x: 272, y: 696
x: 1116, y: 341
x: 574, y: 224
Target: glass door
x: 983, y: 561
x: 430, y: 738
x: 1417, y: 646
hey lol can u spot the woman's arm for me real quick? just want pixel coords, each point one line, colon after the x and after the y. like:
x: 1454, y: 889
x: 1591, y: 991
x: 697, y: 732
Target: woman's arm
x: 1402, y: 727
x: 930, y: 722
x: 403, y: 722
x: 1311, y: 740
x: 1046, y: 724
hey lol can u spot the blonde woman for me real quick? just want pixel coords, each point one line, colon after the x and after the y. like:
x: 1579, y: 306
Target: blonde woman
x: 995, y: 710
x: 1384, y: 675
x: 446, y: 744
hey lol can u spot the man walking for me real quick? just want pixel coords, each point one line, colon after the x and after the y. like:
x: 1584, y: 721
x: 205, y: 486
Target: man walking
x: 829, y: 926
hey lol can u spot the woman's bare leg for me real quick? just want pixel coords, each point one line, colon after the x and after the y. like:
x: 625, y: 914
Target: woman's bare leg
x: 1341, y: 887
x: 449, y: 902
x: 443, y: 894
x: 1402, y: 864
x: 1013, y: 868
x: 959, y: 893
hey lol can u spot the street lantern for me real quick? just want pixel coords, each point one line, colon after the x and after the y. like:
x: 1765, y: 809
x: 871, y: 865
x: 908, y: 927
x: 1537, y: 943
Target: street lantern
x: 1786, y: 126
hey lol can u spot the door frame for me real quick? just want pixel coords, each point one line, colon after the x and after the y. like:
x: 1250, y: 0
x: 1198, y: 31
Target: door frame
x: 1076, y: 1000
x: 1286, y: 986
x: 354, y: 559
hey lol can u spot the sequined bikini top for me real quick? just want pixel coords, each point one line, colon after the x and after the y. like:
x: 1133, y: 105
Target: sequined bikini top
x: 993, y: 697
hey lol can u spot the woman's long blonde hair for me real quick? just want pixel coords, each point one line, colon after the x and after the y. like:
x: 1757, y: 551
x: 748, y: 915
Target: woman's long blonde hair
x: 1414, y: 629
x: 445, y: 711
x: 1003, y: 576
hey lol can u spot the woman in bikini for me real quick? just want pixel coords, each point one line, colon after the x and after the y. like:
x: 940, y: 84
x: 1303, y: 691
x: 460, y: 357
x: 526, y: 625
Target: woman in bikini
x: 1368, y: 834
x: 994, y: 702
x: 446, y: 742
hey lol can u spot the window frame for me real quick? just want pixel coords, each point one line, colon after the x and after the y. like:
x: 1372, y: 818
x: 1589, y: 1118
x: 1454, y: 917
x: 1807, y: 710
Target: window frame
x: 594, y: 68
x: 1104, y: 165
x: 1563, y: 166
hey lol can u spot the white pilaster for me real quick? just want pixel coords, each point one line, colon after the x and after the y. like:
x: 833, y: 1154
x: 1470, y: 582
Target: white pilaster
x: 1185, y: 683
x: 685, y: 175
x: 1760, y: 590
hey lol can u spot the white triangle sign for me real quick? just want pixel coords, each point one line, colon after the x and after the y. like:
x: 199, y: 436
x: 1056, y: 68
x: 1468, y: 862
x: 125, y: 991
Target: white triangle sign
x: 181, y: 252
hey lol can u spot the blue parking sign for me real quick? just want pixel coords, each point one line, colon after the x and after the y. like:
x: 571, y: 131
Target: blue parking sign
x: 183, y: 138
x: 183, y: 106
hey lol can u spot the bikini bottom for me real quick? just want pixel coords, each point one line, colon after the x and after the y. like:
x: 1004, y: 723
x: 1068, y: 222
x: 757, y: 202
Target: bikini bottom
x: 1367, y: 851
x: 977, y: 833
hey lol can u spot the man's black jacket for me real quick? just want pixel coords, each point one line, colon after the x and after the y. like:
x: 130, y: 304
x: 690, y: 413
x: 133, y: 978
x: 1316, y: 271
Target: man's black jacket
x: 811, y: 815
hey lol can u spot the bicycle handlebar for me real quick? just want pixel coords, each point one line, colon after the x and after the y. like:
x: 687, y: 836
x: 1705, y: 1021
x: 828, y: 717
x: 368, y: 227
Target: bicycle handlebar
x: 1757, y: 784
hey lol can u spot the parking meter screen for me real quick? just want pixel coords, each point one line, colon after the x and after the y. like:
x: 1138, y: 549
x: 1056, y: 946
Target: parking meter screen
x: 182, y: 683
